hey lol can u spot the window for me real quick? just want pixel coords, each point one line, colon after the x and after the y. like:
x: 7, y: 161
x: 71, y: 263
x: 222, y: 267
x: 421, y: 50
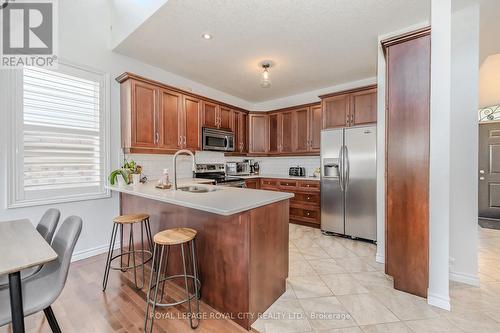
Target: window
x: 61, y: 136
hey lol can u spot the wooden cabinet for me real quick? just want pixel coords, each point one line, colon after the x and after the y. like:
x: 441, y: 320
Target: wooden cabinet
x: 240, y: 125
x: 349, y: 108
x: 274, y: 123
x: 156, y: 118
x: 305, y: 206
x: 315, y: 128
x: 301, y: 130
x: 258, y: 133
x: 144, y: 113
x: 171, y: 120
x: 217, y: 116
x: 407, y: 175
x: 286, y: 132
x: 210, y: 114
x: 191, y: 123
x: 335, y: 111
x: 225, y: 118
x: 252, y: 183
x: 363, y: 108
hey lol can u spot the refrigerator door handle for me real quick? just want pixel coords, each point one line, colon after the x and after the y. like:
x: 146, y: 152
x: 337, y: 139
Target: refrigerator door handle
x: 347, y: 167
x: 341, y: 168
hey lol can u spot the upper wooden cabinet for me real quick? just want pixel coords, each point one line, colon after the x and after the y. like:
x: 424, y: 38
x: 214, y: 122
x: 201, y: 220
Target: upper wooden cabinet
x: 192, y: 123
x: 216, y: 116
x: 274, y: 133
x: 301, y: 130
x: 258, y: 133
x: 225, y: 118
x: 210, y: 114
x: 292, y: 131
x: 349, y: 108
x: 363, y: 107
x: 240, y: 125
x: 315, y: 128
x: 156, y: 118
x: 170, y: 119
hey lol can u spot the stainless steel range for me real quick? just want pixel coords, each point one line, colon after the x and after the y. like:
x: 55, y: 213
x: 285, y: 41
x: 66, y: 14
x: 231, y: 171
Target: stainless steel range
x: 217, y: 172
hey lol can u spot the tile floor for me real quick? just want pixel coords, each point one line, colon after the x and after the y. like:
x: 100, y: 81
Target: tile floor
x: 335, y: 285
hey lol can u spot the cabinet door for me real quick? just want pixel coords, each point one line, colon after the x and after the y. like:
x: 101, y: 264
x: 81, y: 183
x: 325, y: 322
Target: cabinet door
x: 274, y: 133
x: 301, y: 130
x: 335, y: 111
x: 225, y: 118
x: 363, y: 109
x: 258, y: 133
x: 286, y: 131
x: 170, y: 119
x: 192, y: 123
x: 244, y: 132
x: 210, y: 114
x: 315, y: 128
x: 144, y: 115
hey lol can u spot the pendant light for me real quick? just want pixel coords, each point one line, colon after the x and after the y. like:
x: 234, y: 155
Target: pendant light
x: 265, y: 81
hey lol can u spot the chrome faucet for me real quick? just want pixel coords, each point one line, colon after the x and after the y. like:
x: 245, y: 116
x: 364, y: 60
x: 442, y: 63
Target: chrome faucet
x: 179, y: 152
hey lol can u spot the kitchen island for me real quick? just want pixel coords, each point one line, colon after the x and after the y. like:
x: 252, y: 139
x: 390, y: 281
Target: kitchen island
x: 241, y: 245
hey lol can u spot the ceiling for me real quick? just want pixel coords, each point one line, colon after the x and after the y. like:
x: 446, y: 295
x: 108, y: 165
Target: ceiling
x: 315, y: 44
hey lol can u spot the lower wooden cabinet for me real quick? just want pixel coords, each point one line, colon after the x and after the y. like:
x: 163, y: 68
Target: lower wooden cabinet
x: 253, y: 183
x: 305, y: 206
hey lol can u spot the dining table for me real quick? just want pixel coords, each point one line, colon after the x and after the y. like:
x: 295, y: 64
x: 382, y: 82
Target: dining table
x: 21, y: 247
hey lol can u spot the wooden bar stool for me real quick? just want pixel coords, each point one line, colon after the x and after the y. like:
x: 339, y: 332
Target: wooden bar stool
x: 166, y: 239
x: 120, y: 222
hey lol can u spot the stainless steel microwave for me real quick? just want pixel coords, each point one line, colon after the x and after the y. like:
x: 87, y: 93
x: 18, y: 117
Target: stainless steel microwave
x: 214, y: 139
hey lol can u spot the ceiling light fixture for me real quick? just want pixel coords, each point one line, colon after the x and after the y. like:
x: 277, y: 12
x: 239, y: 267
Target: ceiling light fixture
x: 265, y: 81
x: 206, y: 36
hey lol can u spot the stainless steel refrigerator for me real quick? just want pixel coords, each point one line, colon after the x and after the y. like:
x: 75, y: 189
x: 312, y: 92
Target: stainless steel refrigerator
x: 348, y: 182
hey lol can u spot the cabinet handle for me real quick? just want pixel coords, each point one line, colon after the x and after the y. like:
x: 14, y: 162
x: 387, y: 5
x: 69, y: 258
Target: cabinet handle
x: 352, y: 119
x: 157, y: 137
x: 308, y: 198
x: 179, y: 140
x: 184, y: 140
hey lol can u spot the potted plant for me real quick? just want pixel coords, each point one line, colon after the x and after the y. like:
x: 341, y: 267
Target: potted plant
x: 130, y: 172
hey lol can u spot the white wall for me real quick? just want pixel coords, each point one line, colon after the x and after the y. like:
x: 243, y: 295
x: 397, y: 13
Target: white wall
x: 464, y: 148
x: 439, y: 162
x: 310, y: 96
x: 83, y: 40
x: 128, y: 15
x: 489, y: 81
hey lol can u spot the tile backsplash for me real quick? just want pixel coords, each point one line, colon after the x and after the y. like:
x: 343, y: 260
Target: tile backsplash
x: 153, y: 164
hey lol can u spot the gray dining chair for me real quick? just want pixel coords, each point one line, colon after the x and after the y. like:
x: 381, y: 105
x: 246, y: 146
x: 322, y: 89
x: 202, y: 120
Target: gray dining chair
x: 41, y: 289
x: 46, y: 227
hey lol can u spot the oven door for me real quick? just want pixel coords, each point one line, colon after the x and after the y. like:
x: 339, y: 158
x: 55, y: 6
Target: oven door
x: 217, y: 140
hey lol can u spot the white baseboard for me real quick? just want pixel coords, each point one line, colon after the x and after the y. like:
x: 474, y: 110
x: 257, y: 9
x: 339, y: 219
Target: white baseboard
x: 469, y: 279
x: 380, y: 258
x: 80, y: 255
x: 439, y: 301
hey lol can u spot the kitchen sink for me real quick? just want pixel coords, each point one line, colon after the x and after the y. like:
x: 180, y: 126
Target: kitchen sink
x: 197, y: 189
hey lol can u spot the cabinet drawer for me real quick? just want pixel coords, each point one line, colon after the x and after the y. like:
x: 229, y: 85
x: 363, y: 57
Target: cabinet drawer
x: 252, y: 183
x: 305, y: 214
x: 288, y: 184
x: 306, y: 198
x: 309, y: 185
x: 269, y: 184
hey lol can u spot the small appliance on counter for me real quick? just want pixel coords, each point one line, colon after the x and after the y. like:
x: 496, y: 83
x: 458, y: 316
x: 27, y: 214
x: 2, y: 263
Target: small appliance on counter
x: 297, y: 171
x: 254, y: 168
x: 216, y: 172
x: 237, y: 168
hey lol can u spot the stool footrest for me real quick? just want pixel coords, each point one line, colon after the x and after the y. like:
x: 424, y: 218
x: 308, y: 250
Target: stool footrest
x: 171, y: 277
x: 150, y: 256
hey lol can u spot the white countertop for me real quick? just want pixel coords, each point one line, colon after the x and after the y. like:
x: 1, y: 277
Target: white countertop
x: 264, y: 175
x: 222, y: 201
